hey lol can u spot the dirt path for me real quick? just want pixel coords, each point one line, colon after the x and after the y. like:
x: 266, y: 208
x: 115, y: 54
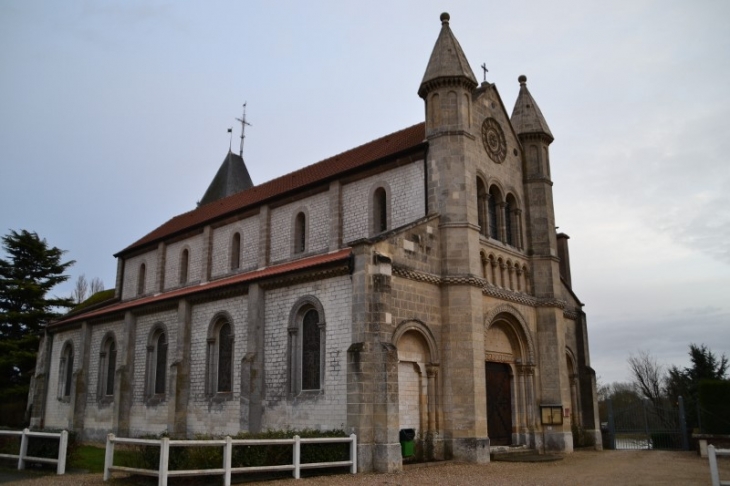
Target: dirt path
x: 582, y: 468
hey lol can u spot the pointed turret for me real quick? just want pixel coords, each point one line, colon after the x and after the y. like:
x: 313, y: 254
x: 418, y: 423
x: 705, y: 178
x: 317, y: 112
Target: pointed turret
x: 526, y: 116
x: 232, y: 177
x: 448, y: 63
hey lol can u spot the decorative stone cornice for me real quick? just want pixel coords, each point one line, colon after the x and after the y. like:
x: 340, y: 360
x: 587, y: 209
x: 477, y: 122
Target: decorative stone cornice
x: 307, y: 277
x: 571, y: 314
x: 487, y: 289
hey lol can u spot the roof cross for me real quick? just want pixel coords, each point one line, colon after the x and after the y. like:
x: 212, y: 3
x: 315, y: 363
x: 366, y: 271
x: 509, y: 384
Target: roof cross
x: 484, y: 68
x: 243, y: 128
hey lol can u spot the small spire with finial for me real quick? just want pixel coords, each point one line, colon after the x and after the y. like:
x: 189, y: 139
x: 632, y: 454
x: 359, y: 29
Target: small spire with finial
x: 522, y: 79
x: 445, y: 17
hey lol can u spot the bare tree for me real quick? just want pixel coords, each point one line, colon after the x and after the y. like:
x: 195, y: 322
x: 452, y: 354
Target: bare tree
x: 649, y: 376
x: 80, y: 289
x: 96, y: 285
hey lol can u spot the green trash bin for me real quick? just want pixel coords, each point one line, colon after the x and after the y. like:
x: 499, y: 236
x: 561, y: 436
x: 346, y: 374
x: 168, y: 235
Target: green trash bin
x: 407, y: 442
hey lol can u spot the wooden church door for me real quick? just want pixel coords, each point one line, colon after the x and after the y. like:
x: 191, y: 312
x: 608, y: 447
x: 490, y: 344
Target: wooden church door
x: 499, y: 403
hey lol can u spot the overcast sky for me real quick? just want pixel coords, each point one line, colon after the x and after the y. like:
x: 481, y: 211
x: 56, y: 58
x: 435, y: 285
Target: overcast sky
x: 113, y: 118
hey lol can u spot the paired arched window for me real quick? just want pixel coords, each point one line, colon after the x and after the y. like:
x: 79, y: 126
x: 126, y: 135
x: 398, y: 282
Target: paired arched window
x: 306, y: 346
x: 141, y: 279
x: 236, y: 251
x: 220, y: 357
x: 481, y: 207
x: 380, y: 210
x: 184, y: 264
x: 65, y: 370
x: 493, y: 223
x: 107, y: 366
x: 300, y: 233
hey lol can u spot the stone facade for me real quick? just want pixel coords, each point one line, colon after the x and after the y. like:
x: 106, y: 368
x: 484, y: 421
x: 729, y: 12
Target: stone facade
x: 413, y: 282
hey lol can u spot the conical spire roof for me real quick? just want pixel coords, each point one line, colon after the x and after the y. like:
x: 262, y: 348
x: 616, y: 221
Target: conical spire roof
x: 232, y: 177
x: 526, y: 116
x: 447, y: 60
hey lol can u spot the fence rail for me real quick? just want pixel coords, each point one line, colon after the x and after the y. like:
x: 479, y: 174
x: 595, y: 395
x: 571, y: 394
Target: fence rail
x: 163, y: 472
x: 23, y: 456
x: 712, y: 453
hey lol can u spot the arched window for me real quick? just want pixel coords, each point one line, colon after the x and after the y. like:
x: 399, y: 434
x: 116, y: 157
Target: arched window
x: 141, y: 279
x: 184, y: 262
x: 481, y: 207
x: 380, y: 210
x: 508, y: 208
x: 156, y: 379
x: 493, y: 224
x: 311, y: 359
x: 220, y: 357
x: 65, y: 371
x: 236, y: 251
x: 306, y: 346
x: 300, y: 233
x: 107, y: 366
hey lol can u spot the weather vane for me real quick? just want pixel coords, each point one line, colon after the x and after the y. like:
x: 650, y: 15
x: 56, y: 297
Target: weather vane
x: 484, y: 68
x: 243, y: 128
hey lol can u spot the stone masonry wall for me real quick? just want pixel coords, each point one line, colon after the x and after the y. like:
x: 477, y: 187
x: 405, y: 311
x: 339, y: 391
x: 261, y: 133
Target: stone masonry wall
x: 58, y: 411
x: 131, y: 270
x: 206, y: 415
x: 221, y: 253
x: 316, y: 209
x: 144, y: 419
x: 406, y: 200
x: 328, y: 409
x: 98, y: 418
x: 173, y: 254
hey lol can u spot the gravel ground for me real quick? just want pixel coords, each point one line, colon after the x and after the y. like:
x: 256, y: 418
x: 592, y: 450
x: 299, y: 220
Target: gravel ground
x: 584, y: 468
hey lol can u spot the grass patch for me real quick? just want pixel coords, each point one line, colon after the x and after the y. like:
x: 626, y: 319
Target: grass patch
x: 88, y: 457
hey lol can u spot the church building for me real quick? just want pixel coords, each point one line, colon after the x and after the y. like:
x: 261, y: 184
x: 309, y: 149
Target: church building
x: 413, y: 282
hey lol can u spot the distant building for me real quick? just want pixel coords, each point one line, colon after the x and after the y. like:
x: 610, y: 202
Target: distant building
x: 416, y: 281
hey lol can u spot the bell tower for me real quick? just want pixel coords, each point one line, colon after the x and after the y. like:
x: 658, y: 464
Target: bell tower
x: 447, y: 89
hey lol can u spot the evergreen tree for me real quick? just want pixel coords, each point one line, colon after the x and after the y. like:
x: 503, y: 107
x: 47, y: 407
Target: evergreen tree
x: 686, y: 381
x: 31, y: 270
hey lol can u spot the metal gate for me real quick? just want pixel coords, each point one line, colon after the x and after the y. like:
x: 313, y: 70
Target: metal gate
x: 645, y: 425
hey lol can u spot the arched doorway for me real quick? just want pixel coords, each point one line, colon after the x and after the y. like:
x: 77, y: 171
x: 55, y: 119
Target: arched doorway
x: 509, y: 369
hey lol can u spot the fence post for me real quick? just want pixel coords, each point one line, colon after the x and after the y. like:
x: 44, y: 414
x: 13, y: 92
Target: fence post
x: 62, y: 446
x: 164, y: 460
x: 611, y: 426
x: 353, y: 453
x: 297, y: 456
x: 23, y: 449
x: 683, y: 425
x: 227, y: 459
x: 714, y: 473
x: 108, y: 456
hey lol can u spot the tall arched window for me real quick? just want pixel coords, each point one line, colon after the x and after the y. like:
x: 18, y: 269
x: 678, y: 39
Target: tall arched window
x: 306, y: 345
x: 160, y: 363
x: 493, y: 224
x: 508, y: 208
x: 141, y: 279
x: 311, y: 357
x: 108, y: 365
x: 380, y: 210
x: 220, y: 357
x: 300, y: 233
x: 65, y: 371
x: 481, y: 207
x: 236, y: 251
x: 184, y: 263
x: 225, y: 358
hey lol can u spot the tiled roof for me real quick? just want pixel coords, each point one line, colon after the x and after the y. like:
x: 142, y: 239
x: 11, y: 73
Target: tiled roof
x: 384, y: 147
x: 284, y: 268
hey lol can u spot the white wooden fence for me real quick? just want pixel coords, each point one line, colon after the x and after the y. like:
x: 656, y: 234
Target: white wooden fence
x: 23, y: 456
x: 226, y: 470
x: 712, y: 453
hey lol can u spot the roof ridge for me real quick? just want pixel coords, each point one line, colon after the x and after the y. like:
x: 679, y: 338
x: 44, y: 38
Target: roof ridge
x: 376, y: 149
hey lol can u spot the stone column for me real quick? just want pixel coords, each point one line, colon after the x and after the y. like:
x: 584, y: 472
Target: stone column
x: 518, y: 221
x: 207, y: 257
x: 255, y: 355
x: 160, y: 270
x: 179, y: 388
x: 264, y: 236
x: 80, y: 393
x: 124, y: 377
x: 335, y: 219
x: 501, y: 216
